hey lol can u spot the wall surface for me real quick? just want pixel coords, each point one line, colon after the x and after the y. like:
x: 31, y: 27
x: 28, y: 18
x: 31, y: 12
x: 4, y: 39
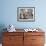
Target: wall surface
x: 9, y: 13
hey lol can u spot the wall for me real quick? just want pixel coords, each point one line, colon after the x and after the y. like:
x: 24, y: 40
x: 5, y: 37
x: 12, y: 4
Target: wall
x: 9, y: 13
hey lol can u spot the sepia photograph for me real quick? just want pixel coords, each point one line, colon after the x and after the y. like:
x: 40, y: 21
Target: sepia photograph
x: 26, y: 14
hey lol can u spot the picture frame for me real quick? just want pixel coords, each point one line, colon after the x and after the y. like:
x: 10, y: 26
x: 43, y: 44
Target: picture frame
x: 26, y: 14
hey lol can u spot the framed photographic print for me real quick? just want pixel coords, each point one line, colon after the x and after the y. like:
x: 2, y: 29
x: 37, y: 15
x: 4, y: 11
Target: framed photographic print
x: 26, y: 14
